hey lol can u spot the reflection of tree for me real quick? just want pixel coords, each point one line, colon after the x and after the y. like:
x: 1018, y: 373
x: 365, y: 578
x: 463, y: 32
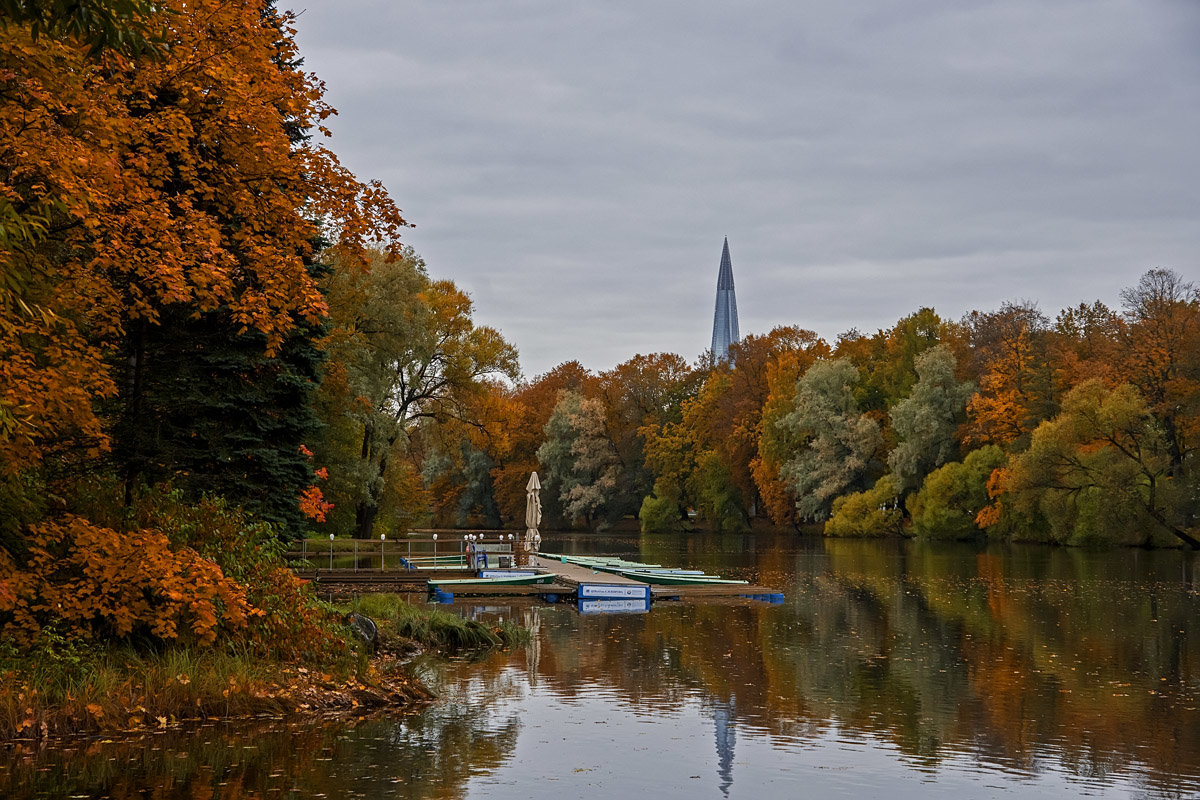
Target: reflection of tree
x: 1011, y: 656
x: 1025, y: 658
x: 430, y: 755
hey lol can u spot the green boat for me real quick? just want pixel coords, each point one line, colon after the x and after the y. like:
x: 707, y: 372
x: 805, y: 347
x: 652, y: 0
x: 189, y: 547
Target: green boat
x: 676, y: 579
x: 647, y: 573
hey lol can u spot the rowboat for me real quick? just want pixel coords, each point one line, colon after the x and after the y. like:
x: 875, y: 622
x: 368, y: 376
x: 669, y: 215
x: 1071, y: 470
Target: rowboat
x: 659, y: 578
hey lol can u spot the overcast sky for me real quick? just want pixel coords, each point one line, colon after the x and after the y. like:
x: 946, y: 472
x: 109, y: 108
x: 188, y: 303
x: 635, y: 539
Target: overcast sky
x: 575, y: 165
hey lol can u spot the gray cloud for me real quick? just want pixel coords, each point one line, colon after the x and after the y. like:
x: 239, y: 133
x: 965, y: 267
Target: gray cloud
x: 575, y: 165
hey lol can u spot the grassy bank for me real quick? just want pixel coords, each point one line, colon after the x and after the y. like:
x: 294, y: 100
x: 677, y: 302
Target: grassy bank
x: 65, y: 686
x: 433, y: 628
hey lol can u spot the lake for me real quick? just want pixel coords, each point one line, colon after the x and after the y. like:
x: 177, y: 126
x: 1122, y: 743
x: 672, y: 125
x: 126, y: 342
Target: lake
x: 891, y: 669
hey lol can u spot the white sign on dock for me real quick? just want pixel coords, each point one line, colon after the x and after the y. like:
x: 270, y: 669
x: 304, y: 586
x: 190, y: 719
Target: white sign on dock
x: 632, y: 591
x: 506, y: 573
x: 628, y: 606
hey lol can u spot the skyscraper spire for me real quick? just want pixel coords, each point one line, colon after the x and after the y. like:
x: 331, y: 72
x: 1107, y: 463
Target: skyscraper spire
x: 725, y: 321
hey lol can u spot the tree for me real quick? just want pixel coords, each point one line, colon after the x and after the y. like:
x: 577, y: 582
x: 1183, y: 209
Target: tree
x: 1162, y: 348
x: 640, y: 394
x: 874, y: 512
x: 410, y: 353
x: 523, y: 413
x: 776, y: 444
x: 1100, y: 471
x: 840, y: 444
x: 1016, y: 387
x: 1085, y: 342
x: 887, y: 359
x: 579, y: 458
x: 157, y: 184
x: 150, y: 191
x: 951, y: 496
x: 926, y: 421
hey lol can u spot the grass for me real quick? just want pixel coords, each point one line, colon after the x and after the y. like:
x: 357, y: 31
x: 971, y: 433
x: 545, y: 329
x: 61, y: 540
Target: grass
x: 69, y: 689
x: 65, y: 685
x: 434, y: 628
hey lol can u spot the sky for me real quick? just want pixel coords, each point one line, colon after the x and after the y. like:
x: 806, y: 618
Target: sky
x: 575, y: 166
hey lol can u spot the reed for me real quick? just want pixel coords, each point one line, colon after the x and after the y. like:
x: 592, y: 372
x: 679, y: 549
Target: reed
x: 434, y: 628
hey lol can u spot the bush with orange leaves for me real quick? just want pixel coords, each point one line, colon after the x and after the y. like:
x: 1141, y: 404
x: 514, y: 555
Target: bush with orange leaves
x: 198, y: 575
x: 117, y: 586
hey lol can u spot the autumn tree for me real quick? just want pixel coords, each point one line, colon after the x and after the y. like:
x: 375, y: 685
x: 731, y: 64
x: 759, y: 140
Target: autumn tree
x: 410, y: 353
x: 949, y: 500
x: 1100, y: 471
x: 1085, y: 342
x: 522, y: 413
x: 580, y: 460
x: 694, y: 461
x: 840, y: 444
x: 1016, y: 386
x: 147, y: 189
x: 926, y: 421
x: 641, y: 394
x: 776, y: 443
x: 1162, y: 358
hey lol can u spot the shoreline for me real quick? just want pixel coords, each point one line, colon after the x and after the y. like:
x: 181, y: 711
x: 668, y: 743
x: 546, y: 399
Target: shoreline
x: 287, y: 692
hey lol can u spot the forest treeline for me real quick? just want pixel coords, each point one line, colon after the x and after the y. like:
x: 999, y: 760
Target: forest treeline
x: 1006, y: 423
x: 211, y: 341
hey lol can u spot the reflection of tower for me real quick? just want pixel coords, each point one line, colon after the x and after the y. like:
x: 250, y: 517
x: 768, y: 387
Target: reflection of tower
x: 723, y: 723
x: 725, y: 321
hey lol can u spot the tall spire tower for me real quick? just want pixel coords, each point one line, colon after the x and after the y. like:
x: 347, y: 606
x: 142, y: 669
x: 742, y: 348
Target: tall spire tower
x: 725, y: 323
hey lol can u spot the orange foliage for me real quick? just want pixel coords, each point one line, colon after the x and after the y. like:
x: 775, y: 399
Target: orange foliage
x: 131, y: 186
x: 313, y: 504
x: 773, y: 450
x: 117, y: 584
x: 1014, y: 394
x: 527, y: 411
x: 135, y: 169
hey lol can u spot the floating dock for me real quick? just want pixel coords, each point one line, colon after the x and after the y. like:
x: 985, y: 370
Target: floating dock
x: 592, y: 587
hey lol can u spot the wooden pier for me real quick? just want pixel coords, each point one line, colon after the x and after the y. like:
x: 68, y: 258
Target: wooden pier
x: 583, y: 583
x: 572, y: 581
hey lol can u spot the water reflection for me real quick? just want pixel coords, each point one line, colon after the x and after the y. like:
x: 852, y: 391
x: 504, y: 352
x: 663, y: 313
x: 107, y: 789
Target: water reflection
x: 918, y: 670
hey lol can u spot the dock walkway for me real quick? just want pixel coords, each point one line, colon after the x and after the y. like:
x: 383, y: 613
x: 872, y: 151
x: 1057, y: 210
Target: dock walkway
x: 575, y: 574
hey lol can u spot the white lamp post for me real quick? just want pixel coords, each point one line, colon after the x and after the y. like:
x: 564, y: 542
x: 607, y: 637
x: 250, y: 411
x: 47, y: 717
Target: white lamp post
x: 435, y: 549
x: 331, y: 552
x: 382, y: 539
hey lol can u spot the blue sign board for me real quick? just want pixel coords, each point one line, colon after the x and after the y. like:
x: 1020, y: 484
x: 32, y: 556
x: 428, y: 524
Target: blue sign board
x: 614, y: 591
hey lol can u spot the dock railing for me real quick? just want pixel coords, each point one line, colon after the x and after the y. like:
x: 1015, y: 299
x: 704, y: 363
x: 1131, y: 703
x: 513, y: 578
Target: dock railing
x: 413, y: 551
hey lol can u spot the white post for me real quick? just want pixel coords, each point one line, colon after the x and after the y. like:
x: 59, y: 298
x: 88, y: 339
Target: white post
x: 331, y: 552
x: 382, y: 538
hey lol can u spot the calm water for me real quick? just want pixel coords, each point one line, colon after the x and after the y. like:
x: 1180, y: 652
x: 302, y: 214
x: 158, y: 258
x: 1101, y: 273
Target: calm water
x: 891, y: 670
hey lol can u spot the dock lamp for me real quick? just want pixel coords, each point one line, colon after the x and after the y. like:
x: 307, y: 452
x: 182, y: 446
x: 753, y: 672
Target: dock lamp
x: 435, y: 549
x: 331, y: 552
x: 382, y: 539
